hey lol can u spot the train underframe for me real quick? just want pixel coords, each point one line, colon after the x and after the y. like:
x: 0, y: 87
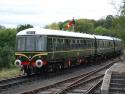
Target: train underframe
x: 61, y: 64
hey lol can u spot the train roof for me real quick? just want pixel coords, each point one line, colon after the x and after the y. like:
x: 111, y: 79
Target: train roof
x: 117, y: 39
x: 41, y: 31
x: 103, y: 37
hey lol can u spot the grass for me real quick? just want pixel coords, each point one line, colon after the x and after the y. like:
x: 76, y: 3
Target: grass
x: 8, y: 73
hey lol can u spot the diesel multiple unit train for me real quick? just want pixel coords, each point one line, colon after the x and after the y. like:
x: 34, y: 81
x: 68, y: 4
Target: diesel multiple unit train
x: 40, y: 49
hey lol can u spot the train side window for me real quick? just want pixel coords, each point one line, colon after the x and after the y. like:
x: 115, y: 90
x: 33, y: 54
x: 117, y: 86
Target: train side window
x: 88, y: 43
x: 102, y: 44
x: 98, y: 43
x: 55, y: 44
x: 85, y: 43
x: 41, y: 43
x: 68, y: 40
x: 77, y: 43
x: 80, y: 43
x: 59, y: 44
x: 66, y: 43
x: 49, y: 43
x: 92, y: 43
x: 109, y: 44
x: 30, y: 43
x: 20, y: 43
x: 72, y: 43
x: 105, y: 44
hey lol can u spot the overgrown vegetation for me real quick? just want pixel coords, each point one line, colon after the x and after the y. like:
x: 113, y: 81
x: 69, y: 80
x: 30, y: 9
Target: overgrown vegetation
x: 8, y: 73
x: 7, y: 45
x: 110, y: 26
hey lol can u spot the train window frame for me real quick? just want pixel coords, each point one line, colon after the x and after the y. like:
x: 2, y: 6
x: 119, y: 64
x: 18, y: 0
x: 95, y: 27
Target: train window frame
x: 18, y: 43
x: 49, y: 44
x: 59, y: 44
x: 85, y: 43
x: 30, y: 43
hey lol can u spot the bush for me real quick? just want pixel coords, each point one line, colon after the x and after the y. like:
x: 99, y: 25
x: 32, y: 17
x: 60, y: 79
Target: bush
x: 7, y: 46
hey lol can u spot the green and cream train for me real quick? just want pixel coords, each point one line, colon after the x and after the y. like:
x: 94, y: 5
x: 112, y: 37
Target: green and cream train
x: 39, y: 50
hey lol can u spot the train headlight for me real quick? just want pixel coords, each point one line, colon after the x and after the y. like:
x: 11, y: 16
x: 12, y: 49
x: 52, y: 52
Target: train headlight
x: 39, y: 63
x: 17, y: 63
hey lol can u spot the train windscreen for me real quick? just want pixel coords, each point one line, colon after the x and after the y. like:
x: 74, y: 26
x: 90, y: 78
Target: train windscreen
x: 31, y: 43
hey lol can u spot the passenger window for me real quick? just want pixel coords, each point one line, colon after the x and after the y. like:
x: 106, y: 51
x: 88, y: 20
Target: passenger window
x: 85, y: 43
x: 49, y: 44
x: 59, y: 44
x: 55, y: 44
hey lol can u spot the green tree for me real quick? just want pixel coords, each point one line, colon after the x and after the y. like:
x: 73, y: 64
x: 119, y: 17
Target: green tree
x: 7, y: 47
x: 84, y: 25
x: 108, y: 21
x: 101, y: 30
x: 54, y: 26
x: 122, y: 8
x: 23, y: 27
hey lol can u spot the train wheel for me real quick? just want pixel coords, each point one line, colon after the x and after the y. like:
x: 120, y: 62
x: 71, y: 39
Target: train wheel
x: 69, y: 63
x: 27, y: 71
x: 61, y: 67
x: 51, y: 68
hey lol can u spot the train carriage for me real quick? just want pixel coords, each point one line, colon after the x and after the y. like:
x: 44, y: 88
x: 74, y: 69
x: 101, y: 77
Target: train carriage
x: 39, y: 50
x: 105, y: 46
x: 118, y: 46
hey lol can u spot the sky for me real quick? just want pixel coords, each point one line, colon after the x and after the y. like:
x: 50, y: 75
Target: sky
x: 43, y: 12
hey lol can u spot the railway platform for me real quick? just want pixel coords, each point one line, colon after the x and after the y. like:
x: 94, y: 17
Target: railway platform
x: 114, y: 79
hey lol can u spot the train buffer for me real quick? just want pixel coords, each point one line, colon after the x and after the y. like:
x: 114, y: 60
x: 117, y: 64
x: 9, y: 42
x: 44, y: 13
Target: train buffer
x: 114, y: 80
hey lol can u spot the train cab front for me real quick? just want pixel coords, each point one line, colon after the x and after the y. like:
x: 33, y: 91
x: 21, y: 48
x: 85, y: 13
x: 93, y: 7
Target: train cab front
x: 30, y: 53
x: 30, y: 62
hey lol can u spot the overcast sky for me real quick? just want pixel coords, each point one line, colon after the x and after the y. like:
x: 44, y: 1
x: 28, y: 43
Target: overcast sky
x: 43, y: 12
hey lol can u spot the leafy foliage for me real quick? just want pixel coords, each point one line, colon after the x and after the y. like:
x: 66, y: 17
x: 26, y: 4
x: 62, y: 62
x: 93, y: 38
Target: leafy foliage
x: 84, y: 25
x: 7, y: 46
x: 22, y: 27
x: 110, y: 26
x: 53, y: 26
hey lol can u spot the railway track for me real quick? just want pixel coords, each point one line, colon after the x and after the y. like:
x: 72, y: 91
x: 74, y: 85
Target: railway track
x: 6, y: 83
x: 68, y: 85
x: 87, y: 86
x: 23, y: 80
x: 19, y: 80
x: 11, y: 81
